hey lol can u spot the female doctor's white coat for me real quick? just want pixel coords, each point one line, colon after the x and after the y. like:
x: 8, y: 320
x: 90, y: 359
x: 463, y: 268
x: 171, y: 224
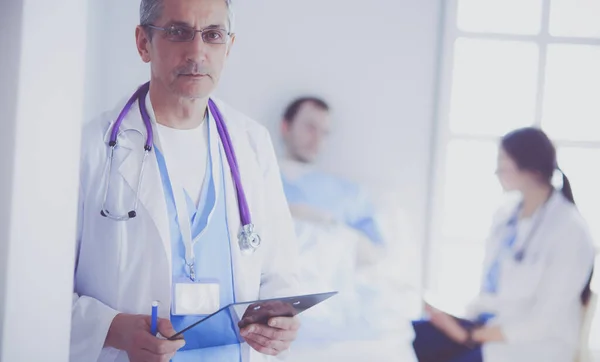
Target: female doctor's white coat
x: 124, y: 266
x: 538, y: 302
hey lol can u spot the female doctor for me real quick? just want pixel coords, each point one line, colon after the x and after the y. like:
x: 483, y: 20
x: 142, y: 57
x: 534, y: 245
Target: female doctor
x: 537, y: 269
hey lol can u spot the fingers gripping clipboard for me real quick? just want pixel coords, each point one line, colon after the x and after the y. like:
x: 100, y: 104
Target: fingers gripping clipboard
x: 223, y: 327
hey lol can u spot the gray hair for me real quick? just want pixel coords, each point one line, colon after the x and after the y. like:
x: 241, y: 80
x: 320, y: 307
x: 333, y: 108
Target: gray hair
x: 151, y: 10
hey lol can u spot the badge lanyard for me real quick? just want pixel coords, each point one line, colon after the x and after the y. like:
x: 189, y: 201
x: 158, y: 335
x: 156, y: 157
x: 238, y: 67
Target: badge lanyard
x: 183, y: 216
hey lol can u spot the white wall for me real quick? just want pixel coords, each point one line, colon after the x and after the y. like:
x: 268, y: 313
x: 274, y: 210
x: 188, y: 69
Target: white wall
x: 374, y: 61
x: 42, y: 79
x: 10, y: 19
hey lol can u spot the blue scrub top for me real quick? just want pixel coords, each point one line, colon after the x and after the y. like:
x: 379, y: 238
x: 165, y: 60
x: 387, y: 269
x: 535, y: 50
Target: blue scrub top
x: 213, y: 255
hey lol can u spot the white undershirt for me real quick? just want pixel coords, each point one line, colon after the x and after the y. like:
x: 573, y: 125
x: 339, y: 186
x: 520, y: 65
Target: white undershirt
x: 185, y: 153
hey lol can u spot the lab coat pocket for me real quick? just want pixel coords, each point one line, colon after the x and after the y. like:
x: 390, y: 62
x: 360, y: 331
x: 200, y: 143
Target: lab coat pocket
x: 519, y: 279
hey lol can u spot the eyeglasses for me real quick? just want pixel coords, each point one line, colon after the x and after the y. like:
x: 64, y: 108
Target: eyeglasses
x: 184, y: 33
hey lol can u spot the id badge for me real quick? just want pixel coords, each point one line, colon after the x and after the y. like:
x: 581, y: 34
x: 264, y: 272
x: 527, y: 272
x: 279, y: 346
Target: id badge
x: 198, y: 298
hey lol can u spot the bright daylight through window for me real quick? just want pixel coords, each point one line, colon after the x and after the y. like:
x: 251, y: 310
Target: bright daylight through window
x: 508, y: 64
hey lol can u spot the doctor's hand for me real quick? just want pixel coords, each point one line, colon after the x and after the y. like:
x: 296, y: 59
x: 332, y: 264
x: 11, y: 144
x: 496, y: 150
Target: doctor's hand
x: 131, y: 333
x: 274, y: 338
x: 447, y: 324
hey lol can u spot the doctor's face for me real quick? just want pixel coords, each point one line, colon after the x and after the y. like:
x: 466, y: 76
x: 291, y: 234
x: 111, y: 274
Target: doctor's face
x: 510, y: 176
x: 305, y: 135
x: 180, y: 66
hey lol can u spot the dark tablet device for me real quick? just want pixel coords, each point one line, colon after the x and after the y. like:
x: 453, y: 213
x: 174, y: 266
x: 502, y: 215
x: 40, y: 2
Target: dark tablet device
x: 223, y: 327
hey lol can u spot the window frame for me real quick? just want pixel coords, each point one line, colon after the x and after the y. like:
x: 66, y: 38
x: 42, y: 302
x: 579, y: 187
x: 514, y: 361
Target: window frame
x: 443, y: 136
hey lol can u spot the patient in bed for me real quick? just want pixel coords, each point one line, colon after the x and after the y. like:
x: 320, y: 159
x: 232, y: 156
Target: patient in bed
x: 342, y: 248
x: 316, y: 196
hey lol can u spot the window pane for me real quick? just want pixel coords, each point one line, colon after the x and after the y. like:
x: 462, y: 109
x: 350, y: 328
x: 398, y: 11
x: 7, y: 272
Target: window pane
x: 494, y: 86
x: 500, y: 16
x: 576, y: 18
x: 571, y: 109
x: 471, y: 190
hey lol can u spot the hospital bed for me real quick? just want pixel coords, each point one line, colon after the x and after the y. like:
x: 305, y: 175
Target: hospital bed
x: 369, y: 320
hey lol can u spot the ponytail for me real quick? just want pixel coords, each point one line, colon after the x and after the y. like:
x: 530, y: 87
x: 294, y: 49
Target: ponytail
x: 586, y: 294
x: 566, y: 188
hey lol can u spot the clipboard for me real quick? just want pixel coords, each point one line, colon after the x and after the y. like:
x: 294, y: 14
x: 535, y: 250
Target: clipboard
x: 223, y: 327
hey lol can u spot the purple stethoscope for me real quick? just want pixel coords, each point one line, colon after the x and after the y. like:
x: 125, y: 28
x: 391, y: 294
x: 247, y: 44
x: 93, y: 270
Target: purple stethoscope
x: 248, y: 239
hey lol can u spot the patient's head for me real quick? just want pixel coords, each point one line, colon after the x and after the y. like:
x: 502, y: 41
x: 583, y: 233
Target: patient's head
x: 304, y: 127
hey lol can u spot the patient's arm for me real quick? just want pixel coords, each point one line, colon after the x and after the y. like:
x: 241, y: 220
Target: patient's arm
x: 367, y: 253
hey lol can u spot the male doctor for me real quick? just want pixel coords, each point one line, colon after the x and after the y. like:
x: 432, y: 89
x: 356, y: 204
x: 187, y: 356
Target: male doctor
x: 123, y: 266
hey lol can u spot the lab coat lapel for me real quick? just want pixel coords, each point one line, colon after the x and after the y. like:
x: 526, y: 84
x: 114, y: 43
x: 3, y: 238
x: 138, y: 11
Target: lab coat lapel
x: 243, y: 265
x: 151, y: 195
x: 545, y: 227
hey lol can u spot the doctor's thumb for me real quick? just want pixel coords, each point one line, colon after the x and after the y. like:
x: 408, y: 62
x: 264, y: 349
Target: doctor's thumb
x: 165, y: 328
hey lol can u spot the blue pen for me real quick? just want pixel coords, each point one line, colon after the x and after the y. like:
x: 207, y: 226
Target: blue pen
x: 154, y: 320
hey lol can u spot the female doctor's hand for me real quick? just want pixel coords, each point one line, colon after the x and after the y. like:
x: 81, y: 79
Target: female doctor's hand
x: 447, y: 324
x: 274, y: 338
x: 131, y: 333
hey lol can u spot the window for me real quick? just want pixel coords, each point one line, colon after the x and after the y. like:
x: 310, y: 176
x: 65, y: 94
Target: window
x: 493, y: 88
x: 571, y: 110
x: 575, y: 18
x: 509, y: 64
x: 504, y: 17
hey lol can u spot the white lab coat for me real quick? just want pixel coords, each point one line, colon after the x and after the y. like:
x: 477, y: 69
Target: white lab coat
x: 538, y: 303
x: 124, y: 266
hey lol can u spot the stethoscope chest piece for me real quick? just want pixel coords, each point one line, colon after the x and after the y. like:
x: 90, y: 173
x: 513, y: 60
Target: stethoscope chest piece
x: 248, y: 239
